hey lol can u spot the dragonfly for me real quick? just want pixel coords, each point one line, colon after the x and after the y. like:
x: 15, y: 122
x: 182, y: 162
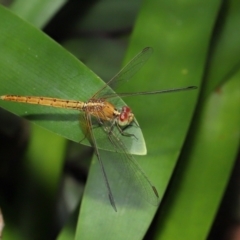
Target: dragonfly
x: 101, y: 108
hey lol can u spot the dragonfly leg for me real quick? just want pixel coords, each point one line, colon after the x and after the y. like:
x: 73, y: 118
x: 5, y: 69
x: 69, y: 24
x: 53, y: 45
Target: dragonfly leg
x: 122, y: 131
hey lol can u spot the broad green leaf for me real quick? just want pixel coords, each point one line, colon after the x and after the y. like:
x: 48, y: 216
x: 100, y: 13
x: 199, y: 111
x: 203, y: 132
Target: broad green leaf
x: 37, y: 12
x: 204, y: 171
x: 164, y: 120
x: 224, y: 53
x: 211, y: 149
x: 32, y: 64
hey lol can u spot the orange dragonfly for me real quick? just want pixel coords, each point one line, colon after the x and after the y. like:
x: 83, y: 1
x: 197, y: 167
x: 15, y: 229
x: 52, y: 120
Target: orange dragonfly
x: 99, y: 108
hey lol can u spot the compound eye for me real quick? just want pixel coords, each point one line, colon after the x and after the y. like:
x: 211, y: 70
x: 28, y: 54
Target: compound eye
x: 123, y: 116
x: 126, y: 109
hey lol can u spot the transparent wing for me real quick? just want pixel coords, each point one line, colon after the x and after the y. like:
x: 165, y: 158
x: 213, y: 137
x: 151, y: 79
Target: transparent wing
x: 93, y: 142
x: 130, y: 169
x: 125, y: 74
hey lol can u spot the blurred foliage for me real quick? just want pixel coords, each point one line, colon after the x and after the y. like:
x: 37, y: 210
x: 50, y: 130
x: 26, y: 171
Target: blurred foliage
x: 192, y: 137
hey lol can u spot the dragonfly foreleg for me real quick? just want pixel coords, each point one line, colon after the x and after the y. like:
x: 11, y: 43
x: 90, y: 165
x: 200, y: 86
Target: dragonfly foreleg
x: 122, y: 131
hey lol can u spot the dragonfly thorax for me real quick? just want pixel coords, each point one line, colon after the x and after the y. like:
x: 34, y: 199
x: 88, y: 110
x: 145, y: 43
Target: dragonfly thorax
x: 125, y: 116
x: 101, y: 109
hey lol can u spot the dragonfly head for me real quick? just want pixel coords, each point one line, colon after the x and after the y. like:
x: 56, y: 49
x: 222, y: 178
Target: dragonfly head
x: 125, y: 117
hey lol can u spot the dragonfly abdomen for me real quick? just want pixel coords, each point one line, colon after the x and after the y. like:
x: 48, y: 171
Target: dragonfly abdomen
x: 46, y: 101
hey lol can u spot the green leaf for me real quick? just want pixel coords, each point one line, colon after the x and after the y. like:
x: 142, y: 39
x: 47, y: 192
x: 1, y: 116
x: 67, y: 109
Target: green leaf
x: 37, y: 12
x: 224, y: 55
x: 205, y: 169
x: 33, y: 64
x: 210, y: 152
x: 164, y: 119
